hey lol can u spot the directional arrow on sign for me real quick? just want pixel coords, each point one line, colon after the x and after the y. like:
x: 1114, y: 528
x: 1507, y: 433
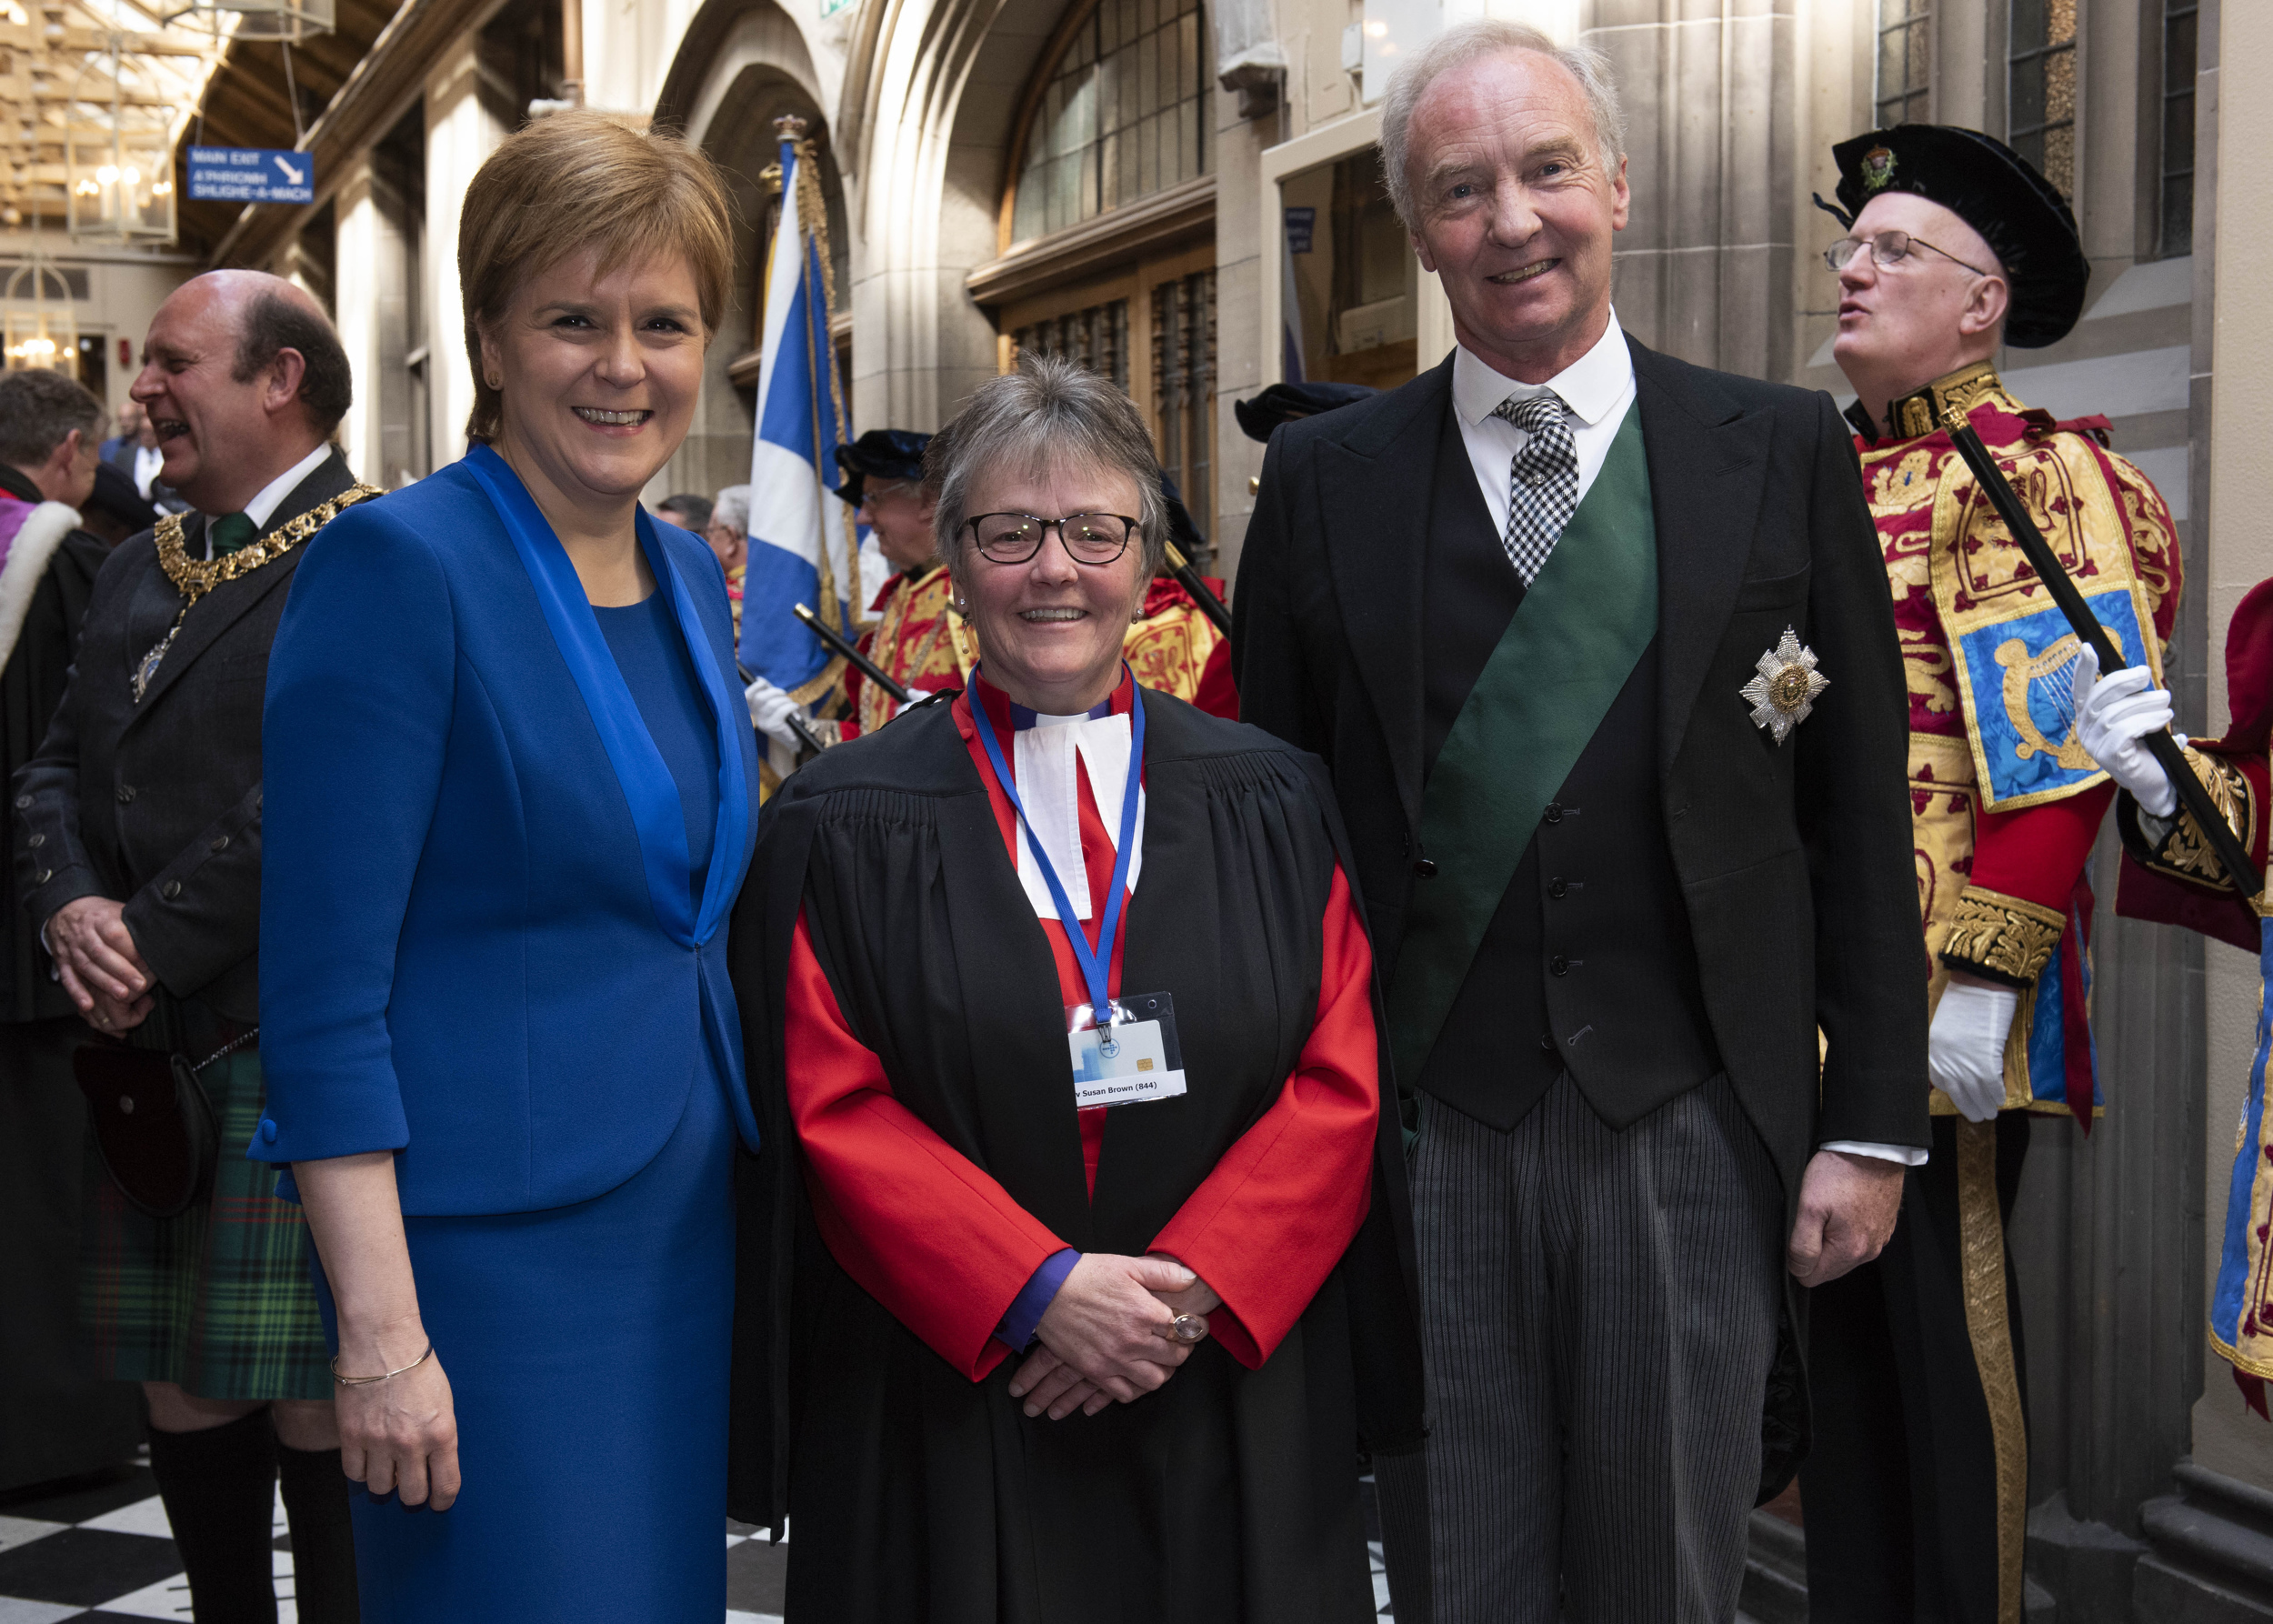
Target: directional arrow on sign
x: 297, y: 177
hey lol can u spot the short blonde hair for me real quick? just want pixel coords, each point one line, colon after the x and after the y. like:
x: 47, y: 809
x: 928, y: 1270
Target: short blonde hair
x: 632, y: 194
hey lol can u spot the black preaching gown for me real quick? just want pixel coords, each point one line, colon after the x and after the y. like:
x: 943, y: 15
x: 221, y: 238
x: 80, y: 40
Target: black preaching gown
x: 916, y: 1487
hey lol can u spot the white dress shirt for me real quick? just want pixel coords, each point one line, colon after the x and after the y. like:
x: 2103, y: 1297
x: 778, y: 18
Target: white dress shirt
x: 149, y: 463
x: 1598, y: 388
x: 266, y: 500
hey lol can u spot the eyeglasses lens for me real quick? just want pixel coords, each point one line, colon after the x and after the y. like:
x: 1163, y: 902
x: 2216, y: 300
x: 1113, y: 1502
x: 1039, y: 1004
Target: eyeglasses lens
x: 1008, y: 536
x: 1095, y: 537
x: 1889, y: 247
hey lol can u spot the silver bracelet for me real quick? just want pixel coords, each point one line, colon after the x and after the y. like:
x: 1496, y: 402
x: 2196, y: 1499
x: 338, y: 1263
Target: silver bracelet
x: 365, y: 1381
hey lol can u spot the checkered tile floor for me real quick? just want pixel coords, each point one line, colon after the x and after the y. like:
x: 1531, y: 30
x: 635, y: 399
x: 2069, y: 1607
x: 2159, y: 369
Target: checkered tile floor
x: 102, y: 1550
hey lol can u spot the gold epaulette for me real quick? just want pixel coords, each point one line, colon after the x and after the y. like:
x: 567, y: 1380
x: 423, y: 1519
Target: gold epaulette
x: 2005, y: 938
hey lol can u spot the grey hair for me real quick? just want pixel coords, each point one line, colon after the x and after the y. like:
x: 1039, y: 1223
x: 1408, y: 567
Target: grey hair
x: 1470, y: 42
x: 1050, y: 414
x: 731, y: 507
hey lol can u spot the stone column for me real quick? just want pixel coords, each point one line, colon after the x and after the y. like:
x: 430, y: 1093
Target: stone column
x: 1704, y: 270
x: 461, y: 131
x: 373, y: 310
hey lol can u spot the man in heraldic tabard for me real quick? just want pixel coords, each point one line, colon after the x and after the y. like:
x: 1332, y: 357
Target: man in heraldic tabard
x: 1916, y: 1491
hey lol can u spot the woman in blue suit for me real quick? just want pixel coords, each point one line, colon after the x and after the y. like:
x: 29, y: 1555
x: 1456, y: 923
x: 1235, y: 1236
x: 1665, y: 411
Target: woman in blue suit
x: 510, y: 786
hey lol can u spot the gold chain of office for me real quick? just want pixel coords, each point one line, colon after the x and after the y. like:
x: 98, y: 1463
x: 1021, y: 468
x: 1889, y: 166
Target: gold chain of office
x: 194, y: 577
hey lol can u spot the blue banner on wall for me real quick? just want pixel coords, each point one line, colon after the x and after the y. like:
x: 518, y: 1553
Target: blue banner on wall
x: 251, y: 174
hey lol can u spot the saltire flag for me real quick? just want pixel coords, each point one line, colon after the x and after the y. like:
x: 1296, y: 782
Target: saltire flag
x: 803, y: 548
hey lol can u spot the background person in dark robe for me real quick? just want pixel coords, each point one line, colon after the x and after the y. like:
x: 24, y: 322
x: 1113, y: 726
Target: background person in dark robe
x: 54, y: 1419
x: 962, y: 1384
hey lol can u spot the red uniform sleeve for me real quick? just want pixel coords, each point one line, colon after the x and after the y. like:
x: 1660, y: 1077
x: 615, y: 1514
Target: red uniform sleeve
x: 921, y: 1227
x: 1271, y: 1221
x: 2037, y: 853
x: 1218, y: 694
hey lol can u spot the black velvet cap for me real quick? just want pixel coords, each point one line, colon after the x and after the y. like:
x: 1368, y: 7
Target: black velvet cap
x: 887, y: 452
x: 1283, y: 403
x: 2026, y: 222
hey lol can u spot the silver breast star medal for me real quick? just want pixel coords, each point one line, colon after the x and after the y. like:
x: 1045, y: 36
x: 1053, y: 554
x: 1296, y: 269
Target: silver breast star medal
x: 1784, y: 691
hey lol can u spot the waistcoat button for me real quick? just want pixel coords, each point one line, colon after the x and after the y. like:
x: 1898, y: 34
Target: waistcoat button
x: 1558, y: 965
x: 1547, y: 1043
x: 1557, y: 889
x: 125, y: 793
x: 1553, y: 813
x: 1425, y: 867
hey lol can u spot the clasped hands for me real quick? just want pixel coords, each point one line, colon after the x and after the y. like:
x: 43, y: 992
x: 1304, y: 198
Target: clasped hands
x: 98, y: 963
x: 1104, y: 1338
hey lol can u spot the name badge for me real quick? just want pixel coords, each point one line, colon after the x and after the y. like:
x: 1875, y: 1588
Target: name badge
x: 1137, y: 1061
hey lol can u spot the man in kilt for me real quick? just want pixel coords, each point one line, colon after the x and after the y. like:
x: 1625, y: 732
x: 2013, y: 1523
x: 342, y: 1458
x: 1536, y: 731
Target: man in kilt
x: 137, y: 848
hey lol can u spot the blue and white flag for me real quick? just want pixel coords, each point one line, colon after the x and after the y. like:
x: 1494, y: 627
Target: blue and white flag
x: 803, y: 549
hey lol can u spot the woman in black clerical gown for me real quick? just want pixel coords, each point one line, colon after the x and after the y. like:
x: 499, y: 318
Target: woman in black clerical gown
x: 1047, y: 1316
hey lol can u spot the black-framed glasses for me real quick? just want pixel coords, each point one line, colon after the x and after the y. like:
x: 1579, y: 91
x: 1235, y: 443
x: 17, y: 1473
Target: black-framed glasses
x: 1015, y: 538
x: 1889, y: 247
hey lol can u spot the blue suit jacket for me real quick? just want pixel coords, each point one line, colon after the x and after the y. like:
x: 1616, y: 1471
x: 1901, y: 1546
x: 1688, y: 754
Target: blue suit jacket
x: 462, y: 959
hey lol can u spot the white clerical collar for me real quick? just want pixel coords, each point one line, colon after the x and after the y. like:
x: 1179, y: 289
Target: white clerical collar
x: 1593, y: 387
x: 274, y: 493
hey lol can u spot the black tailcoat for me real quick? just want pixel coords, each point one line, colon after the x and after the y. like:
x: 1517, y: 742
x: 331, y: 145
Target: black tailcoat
x: 917, y: 1494
x: 158, y: 804
x: 1793, y: 861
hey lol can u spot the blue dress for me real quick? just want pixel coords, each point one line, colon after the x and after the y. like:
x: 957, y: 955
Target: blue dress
x: 586, y: 1346
x: 502, y: 832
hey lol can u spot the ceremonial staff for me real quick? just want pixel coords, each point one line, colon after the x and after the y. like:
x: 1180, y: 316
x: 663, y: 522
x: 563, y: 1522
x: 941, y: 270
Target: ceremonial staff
x: 2161, y: 746
x: 842, y: 645
x: 1209, y: 604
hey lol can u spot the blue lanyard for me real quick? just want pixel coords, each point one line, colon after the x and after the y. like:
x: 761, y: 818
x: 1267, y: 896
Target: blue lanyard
x: 1093, y: 960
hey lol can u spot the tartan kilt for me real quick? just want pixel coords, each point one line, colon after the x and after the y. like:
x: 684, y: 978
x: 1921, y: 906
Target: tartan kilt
x: 219, y: 1299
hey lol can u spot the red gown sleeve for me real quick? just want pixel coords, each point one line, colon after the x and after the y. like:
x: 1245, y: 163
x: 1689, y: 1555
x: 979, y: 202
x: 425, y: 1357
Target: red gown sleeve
x: 922, y: 1229
x: 2037, y: 853
x: 1269, y: 1224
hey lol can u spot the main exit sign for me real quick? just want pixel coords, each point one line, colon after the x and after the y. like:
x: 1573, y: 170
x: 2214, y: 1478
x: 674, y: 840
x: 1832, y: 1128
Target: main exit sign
x: 251, y: 174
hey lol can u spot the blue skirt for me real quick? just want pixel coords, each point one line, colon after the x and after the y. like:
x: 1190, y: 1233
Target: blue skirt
x: 587, y: 1351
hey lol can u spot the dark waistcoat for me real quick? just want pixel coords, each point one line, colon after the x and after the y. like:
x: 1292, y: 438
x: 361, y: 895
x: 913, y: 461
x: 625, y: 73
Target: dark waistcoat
x: 1588, y: 965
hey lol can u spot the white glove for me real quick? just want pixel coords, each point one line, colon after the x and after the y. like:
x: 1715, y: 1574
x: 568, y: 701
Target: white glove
x: 770, y: 710
x: 1965, y: 1051
x: 2112, y: 715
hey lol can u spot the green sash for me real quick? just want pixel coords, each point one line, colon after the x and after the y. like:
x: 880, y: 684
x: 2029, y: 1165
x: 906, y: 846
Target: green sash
x: 1574, y: 641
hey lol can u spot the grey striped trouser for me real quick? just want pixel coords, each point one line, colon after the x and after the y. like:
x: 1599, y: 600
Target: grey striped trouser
x: 1599, y: 1312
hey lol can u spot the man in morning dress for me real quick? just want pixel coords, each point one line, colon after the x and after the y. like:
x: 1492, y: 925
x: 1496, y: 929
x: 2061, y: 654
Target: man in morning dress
x: 1596, y: 647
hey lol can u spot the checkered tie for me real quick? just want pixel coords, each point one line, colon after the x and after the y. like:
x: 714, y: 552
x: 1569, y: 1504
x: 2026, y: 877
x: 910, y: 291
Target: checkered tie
x: 1543, y: 486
